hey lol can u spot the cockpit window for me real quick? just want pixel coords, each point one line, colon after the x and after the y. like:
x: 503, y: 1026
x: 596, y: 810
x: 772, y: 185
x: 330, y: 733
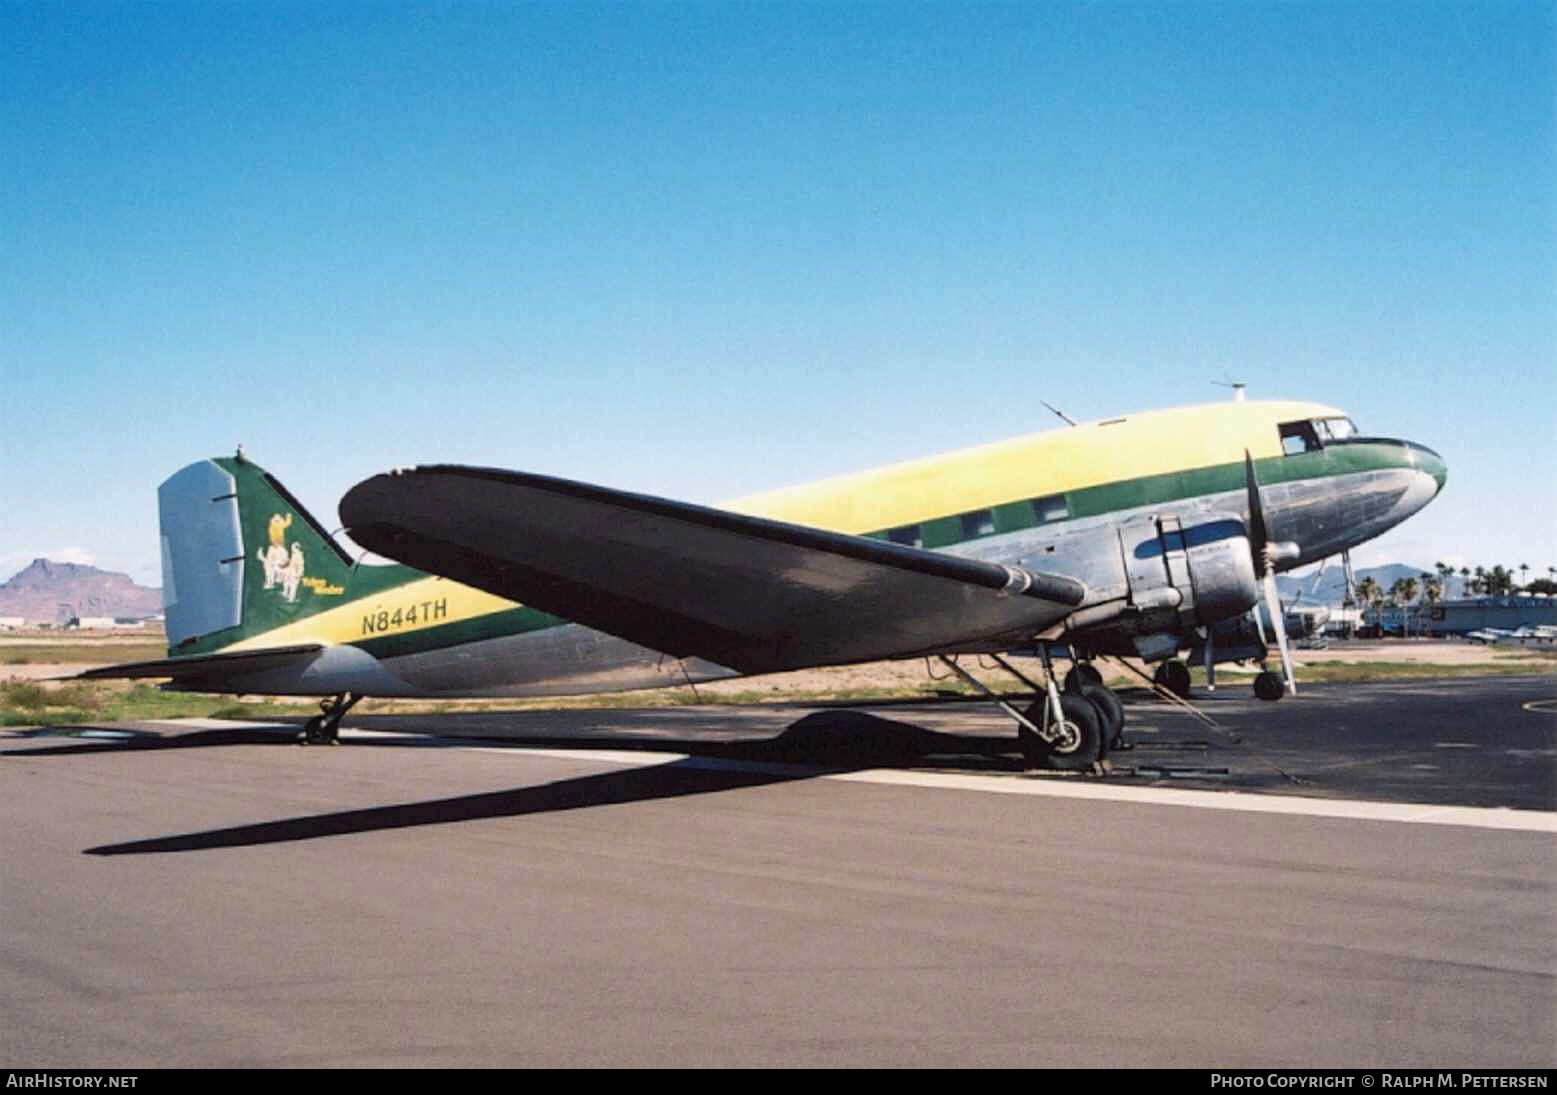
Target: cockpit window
x: 1315, y: 434
x: 1335, y: 429
x: 1299, y: 437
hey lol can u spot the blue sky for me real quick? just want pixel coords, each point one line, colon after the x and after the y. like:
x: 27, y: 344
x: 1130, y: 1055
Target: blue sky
x: 704, y: 249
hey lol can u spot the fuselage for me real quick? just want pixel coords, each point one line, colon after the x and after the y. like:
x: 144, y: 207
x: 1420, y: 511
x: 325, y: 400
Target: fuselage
x: 393, y: 631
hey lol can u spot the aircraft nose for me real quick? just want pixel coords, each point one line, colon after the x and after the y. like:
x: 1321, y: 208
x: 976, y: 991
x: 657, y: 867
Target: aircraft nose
x: 1430, y: 462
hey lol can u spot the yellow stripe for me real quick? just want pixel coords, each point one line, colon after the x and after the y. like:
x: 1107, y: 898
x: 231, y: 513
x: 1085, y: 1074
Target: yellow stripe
x: 1109, y: 451
x: 433, y: 601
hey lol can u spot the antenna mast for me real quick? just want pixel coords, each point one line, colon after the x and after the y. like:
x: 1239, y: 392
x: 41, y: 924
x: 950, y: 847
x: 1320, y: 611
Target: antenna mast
x: 1068, y: 419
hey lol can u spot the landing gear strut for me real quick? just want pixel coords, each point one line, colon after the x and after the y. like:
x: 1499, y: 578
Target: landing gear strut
x: 324, y: 728
x: 1070, y: 731
x: 1075, y: 742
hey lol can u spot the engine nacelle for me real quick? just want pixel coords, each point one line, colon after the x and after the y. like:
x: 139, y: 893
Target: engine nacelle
x: 1210, y: 565
x: 1165, y: 580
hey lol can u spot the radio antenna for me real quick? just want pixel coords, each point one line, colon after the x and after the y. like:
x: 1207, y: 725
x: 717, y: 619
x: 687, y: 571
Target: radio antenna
x: 1068, y: 419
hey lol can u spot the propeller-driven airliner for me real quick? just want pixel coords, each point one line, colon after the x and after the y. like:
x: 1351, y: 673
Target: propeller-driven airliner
x: 1135, y: 536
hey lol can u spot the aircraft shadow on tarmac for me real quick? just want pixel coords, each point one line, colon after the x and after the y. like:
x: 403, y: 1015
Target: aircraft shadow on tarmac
x: 824, y: 741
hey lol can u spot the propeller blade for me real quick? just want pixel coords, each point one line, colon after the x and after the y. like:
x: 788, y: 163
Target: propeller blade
x: 1278, y: 623
x: 1259, y: 540
x: 1259, y: 535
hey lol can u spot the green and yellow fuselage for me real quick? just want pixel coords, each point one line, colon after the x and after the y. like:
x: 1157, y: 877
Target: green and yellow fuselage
x: 393, y: 630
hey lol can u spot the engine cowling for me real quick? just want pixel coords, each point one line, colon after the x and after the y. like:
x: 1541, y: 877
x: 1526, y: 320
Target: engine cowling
x: 1167, y: 580
x: 1209, y: 564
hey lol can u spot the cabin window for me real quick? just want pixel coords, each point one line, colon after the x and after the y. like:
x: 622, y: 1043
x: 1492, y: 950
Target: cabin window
x: 907, y: 535
x: 1299, y: 437
x: 978, y: 523
x: 1050, y: 507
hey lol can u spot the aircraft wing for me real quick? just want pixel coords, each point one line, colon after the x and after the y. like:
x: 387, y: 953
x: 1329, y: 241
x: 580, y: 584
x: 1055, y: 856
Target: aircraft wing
x: 753, y: 594
x: 206, y: 669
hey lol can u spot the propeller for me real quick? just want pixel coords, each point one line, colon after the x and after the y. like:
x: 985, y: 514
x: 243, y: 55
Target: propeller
x: 1266, y: 554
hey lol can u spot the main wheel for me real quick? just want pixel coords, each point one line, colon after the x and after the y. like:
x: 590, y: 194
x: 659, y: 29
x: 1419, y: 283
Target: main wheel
x: 1079, y: 743
x: 1269, y: 686
x: 1111, y: 714
x: 1083, y: 673
x: 1174, y: 676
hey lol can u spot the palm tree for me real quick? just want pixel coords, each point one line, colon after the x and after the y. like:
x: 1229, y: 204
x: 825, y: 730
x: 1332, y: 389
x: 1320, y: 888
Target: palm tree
x: 1408, y: 588
x: 1432, y: 589
x: 1368, y: 594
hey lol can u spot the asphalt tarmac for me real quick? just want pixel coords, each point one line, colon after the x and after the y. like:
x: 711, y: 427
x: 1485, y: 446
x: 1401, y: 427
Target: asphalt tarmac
x: 1363, y: 877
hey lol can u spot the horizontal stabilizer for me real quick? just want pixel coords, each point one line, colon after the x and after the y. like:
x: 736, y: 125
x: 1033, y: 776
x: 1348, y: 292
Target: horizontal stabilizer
x: 753, y: 594
x: 207, y: 668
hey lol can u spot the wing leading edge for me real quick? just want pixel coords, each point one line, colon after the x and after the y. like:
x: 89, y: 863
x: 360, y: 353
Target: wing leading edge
x: 746, y: 592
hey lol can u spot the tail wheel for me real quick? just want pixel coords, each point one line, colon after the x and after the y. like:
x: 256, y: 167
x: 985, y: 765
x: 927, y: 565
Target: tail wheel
x: 314, y: 732
x: 1078, y: 743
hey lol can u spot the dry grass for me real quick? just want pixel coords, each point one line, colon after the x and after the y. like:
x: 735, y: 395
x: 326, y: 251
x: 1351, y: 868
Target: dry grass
x: 27, y: 700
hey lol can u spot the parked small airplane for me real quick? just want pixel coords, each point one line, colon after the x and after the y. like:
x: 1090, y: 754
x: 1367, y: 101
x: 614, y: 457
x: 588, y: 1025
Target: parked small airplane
x: 1126, y: 536
x: 1528, y: 635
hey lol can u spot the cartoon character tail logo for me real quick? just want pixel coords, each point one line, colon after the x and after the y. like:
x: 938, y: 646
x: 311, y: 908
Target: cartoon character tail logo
x: 282, y: 568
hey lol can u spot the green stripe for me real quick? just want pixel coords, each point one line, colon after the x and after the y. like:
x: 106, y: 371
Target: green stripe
x: 1175, y: 486
x: 494, y: 625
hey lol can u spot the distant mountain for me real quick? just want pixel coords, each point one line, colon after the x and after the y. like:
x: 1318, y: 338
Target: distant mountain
x: 38, y: 593
x: 1330, y: 588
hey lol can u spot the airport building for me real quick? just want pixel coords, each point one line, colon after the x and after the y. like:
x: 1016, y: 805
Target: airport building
x: 1461, y: 617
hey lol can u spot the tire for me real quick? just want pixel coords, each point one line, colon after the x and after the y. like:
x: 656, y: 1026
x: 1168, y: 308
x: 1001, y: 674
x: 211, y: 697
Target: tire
x: 1078, y: 750
x: 320, y: 731
x: 1111, y: 714
x: 1081, y: 674
x: 1269, y: 686
x: 1174, y: 676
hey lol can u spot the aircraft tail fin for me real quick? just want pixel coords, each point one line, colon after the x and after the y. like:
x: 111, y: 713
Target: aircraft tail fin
x: 240, y: 556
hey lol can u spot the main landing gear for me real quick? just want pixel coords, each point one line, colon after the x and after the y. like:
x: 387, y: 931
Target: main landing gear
x: 324, y: 728
x: 1072, y: 730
